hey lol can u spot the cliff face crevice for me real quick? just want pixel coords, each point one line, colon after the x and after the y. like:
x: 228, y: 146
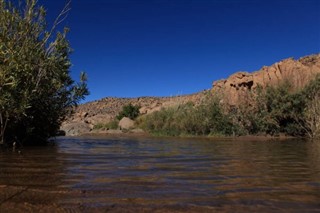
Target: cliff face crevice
x: 297, y: 72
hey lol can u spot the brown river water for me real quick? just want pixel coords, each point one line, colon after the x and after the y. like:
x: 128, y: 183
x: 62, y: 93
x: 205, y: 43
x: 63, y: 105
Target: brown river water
x: 121, y: 174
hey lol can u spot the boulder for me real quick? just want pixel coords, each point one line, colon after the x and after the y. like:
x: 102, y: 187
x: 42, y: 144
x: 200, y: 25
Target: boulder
x: 126, y: 123
x: 75, y: 128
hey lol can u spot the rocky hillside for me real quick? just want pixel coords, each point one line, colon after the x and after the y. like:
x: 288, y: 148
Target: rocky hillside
x: 232, y: 90
x: 105, y: 110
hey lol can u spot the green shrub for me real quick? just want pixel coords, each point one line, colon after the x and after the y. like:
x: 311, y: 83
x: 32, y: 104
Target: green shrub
x: 283, y: 107
x: 99, y: 126
x: 205, y: 119
x: 114, y: 124
x: 129, y: 111
x: 311, y: 111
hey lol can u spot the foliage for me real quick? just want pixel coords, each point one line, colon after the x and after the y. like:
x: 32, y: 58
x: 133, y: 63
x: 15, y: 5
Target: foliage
x: 36, y: 90
x: 246, y: 115
x: 276, y: 110
x: 114, y: 124
x: 129, y: 111
x: 270, y: 110
x: 207, y: 118
x: 311, y: 112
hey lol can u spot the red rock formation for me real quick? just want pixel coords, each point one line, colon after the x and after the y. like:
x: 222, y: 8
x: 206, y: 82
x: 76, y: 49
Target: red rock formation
x: 297, y: 72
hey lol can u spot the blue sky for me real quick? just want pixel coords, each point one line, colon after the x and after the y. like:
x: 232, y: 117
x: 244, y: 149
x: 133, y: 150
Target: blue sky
x: 132, y: 48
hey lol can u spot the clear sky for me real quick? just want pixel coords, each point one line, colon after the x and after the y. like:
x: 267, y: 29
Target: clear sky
x: 132, y: 48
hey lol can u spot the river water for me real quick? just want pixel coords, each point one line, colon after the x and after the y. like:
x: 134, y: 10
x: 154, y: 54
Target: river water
x: 179, y: 175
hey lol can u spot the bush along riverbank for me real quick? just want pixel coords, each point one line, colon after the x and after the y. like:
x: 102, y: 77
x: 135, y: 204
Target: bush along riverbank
x: 36, y: 88
x: 273, y: 110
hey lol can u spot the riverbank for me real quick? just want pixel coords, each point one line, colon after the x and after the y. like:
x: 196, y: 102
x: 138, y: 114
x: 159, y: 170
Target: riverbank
x: 138, y: 133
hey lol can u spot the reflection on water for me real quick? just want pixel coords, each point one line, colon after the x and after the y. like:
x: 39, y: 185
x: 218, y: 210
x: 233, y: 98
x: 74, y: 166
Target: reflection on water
x: 103, y: 171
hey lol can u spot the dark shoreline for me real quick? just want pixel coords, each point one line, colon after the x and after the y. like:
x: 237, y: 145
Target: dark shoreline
x: 262, y: 138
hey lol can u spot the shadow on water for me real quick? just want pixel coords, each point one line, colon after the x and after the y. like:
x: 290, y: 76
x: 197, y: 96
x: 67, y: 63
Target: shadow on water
x: 94, y: 173
x: 33, y: 176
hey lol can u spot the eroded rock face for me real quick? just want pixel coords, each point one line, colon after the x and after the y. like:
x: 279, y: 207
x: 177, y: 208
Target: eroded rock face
x: 297, y: 72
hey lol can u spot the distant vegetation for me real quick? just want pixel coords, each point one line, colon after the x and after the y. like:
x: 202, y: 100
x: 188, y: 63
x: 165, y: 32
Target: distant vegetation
x: 129, y: 111
x: 110, y: 125
x: 272, y: 111
x: 205, y: 119
x: 36, y: 90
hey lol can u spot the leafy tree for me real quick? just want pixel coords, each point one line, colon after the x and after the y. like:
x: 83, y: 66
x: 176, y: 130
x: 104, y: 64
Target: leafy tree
x: 282, y: 107
x: 311, y: 112
x: 36, y: 90
x: 129, y: 111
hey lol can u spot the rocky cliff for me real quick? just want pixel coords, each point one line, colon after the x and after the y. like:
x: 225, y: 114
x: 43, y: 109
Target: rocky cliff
x: 297, y: 72
x: 233, y: 90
